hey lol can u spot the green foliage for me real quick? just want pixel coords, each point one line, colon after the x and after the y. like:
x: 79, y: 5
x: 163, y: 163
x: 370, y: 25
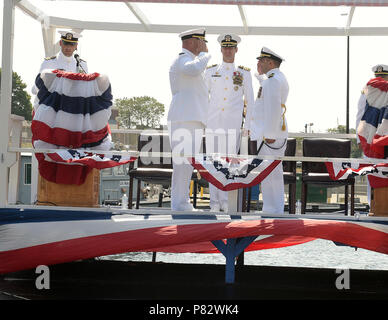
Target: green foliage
x: 139, y: 112
x: 21, y: 100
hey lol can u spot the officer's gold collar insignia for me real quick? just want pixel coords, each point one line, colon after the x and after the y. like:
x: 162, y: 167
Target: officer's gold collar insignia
x: 212, y: 66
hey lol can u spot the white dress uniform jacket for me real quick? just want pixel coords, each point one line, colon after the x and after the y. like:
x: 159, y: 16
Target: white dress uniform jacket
x: 360, y: 112
x: 265, y: 119
x: 189, y: 91
x: 226, y: 98
x: 186, y: 116
x: 228, y: 86
x: 60, y: 61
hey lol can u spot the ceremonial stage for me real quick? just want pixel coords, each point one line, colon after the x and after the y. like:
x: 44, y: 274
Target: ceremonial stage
x: 67, y: 239
x: 61, y: 237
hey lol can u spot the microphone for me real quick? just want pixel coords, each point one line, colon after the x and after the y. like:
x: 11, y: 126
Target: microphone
x: 76, y: 56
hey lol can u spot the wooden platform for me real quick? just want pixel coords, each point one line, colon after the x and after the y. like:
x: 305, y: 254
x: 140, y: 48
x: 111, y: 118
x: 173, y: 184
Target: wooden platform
x: 70, y: 195
x: 379, y: 202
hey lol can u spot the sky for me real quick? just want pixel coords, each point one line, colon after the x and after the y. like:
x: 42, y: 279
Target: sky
x: 138, y: 63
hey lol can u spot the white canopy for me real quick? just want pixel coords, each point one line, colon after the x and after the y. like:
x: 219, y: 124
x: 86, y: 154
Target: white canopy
x: 256, y: 17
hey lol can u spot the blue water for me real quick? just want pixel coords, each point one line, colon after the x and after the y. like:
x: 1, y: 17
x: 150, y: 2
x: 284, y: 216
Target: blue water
x: 315, y: 254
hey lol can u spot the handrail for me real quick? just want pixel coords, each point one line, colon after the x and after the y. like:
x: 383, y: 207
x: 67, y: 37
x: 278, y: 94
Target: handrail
x: 290, y: 134
x: 169, y: 154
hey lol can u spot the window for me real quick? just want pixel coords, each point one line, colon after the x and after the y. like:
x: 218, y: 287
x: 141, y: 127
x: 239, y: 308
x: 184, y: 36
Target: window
x: 106, y: 172
x: 27, y: 173
x: 120, y: 170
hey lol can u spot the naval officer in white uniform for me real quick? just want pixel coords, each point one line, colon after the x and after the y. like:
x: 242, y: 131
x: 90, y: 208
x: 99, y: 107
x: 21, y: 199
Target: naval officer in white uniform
x: 66, y: 58
x: 188, y: 112
x: 267, y: 124
x: 228, y: 86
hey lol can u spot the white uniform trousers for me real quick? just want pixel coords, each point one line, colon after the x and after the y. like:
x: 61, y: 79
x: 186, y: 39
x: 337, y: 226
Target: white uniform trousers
x: 368, y: 187
x: 185, y: 138
x: 272, y: 187
x: 223, y: 143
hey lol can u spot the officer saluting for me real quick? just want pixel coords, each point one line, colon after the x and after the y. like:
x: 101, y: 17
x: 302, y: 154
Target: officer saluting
x: 188, y: 111
x: 268, y: 126
x: 66, y: 59
x: 228, y: 86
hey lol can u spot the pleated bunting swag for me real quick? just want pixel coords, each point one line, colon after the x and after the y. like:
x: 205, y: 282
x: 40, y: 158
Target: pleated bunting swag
x: 228, y: 173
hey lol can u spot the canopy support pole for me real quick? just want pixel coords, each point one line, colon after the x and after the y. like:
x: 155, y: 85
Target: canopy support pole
x: 6, y: 158
x: 347, y: 82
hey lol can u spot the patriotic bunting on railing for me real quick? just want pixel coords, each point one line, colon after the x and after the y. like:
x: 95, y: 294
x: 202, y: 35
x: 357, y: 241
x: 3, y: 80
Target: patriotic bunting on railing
x: 232, y: 173
x: 377, y: 173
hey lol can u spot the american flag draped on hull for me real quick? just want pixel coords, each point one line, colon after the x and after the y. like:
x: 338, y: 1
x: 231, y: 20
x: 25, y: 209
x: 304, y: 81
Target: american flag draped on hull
x: 49, y: 236
x: 71, y: 111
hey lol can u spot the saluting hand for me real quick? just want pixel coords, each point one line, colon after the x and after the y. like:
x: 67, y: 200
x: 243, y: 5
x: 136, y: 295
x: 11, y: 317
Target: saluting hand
x: 203, y: 46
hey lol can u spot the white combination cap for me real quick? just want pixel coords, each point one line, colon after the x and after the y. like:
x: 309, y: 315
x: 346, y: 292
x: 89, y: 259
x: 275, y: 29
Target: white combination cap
x: 229, y: 40
x: 194, y: 33
x: 380, y: 69
x: 69, y: 36
x: 268, y: 53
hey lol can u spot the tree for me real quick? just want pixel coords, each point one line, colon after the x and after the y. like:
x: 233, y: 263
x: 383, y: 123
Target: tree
x: 355, y: 150
x: 139, y: 112
x: 21, y: 100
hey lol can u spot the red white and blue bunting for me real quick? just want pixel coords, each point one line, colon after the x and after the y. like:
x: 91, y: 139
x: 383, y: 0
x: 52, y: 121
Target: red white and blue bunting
x: 377, y: 173
x: 373, y: 127
x: 71, y: 111
x: 34, y: 237
x: 233, y: 173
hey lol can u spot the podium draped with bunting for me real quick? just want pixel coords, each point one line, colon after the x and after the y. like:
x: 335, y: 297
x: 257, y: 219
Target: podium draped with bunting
x: 70, y: 117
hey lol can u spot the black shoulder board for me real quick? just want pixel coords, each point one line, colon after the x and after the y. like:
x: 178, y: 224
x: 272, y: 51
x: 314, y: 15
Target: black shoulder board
x: 271, y: 75
x: 212, y: 66
x: 244, y: 68
x: 50, y: 58
x: 181, y: 53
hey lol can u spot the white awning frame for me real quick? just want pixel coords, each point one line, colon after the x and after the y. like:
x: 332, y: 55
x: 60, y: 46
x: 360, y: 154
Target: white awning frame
x: 144, y: 25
